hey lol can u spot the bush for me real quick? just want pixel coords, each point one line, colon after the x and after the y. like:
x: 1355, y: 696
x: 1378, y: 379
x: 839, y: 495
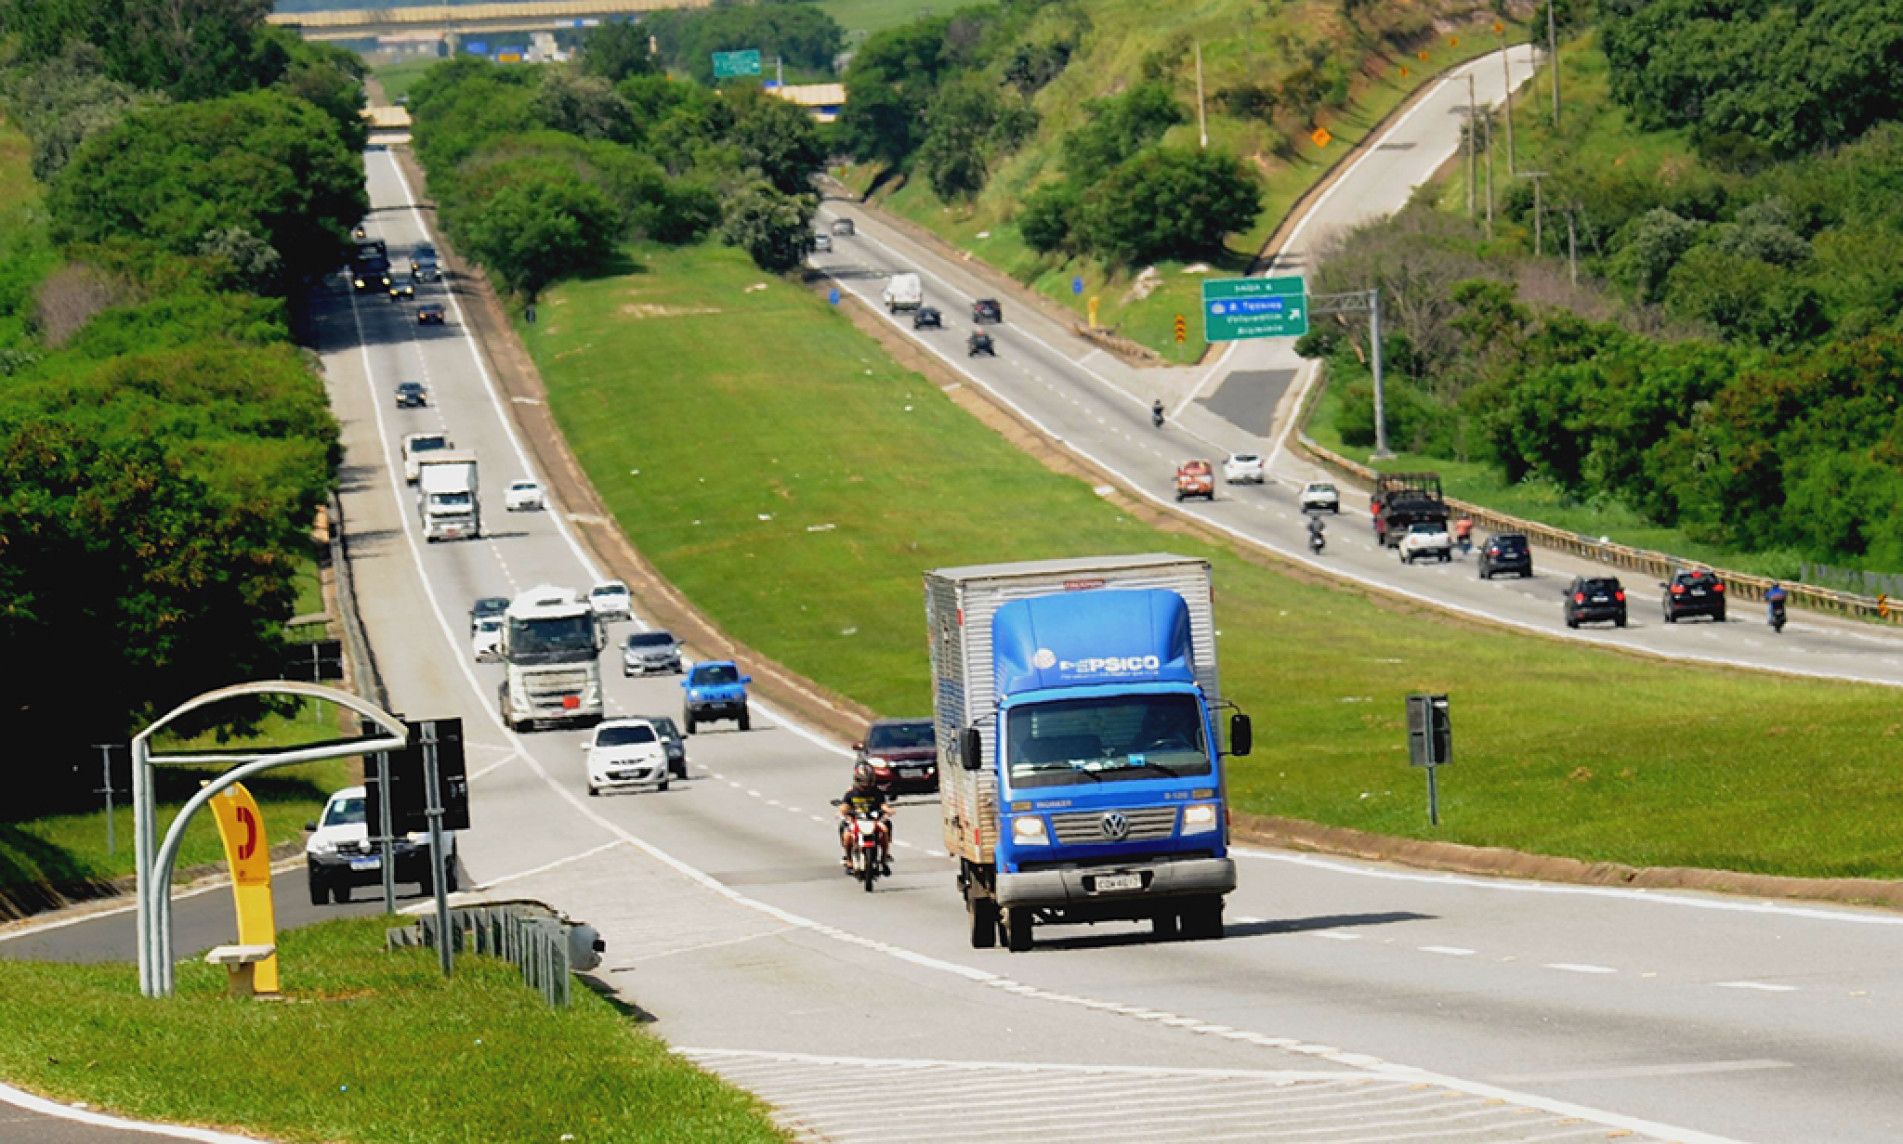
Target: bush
x: 1169, y: 202
x: 533, y: 232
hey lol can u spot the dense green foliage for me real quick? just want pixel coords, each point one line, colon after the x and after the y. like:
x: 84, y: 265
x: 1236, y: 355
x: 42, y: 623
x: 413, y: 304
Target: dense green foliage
x: 541, y: 173
x: 163, y: 448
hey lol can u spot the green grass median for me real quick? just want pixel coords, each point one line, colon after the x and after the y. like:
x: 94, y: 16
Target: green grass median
x: 367, y: 1047
x: 775, y: 464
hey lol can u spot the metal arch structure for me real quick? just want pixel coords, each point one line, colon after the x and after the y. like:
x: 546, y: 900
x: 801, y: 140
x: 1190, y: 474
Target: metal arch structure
x: 156, y: 859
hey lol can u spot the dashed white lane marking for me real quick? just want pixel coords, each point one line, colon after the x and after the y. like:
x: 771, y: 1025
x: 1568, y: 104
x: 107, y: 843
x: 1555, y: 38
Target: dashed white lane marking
x: 754, y: 794
x: 851, y: 1099
x: 1641, y: 1072
x: 1575, y: 967
x: 1448, y: 950
x: 1331, y: 935
x: 1760, y: 986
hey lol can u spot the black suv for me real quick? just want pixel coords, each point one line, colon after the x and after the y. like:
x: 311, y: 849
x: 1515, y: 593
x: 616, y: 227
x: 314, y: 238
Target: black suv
x: 927, y: 316
x: 1694, y: 594
x: 987, y: 310
x: 1595, y: 599
x: 1506, y: 552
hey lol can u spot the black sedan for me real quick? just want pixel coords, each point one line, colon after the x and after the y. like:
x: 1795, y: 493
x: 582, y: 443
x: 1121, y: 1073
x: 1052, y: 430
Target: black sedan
x: 411, y: 395
x: 429, y: 314
x: 925, y: 317
x: 1595, y: 599
x: 987, y: 310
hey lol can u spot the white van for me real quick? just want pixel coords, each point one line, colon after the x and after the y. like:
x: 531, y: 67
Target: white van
x: 418, y: 443
x: 904, y: 292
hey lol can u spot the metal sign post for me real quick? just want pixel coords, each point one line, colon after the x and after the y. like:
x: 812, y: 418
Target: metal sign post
x: 386, y: 835
x: 1354, y: 303
x: 105, y: 787
x: 433, y: 791
x: 1430, y: 743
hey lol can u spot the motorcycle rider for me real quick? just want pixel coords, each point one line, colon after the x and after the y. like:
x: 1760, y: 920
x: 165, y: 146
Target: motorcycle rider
x: 1774, y: 597
x: 865, y: 797
x: 1156, y: 413
x: 1315, y: 529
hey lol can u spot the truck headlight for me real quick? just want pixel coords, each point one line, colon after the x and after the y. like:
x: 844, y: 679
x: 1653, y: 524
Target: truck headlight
x: 1028, y: 830
x: 1200, y: 817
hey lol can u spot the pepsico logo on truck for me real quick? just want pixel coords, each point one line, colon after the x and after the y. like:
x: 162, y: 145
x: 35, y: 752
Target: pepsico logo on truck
x: 1100, y: 665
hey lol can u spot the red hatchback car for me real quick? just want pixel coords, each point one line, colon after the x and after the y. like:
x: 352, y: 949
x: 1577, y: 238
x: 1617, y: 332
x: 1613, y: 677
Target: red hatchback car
x: 903, y: 754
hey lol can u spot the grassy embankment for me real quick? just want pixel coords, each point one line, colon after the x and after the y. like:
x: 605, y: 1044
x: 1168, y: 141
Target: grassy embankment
x: 1237, y: 42
x: 794, y: 482
x: 877, y: 15
x: 397, y: 78
x: 1596, y: 132
x: 372, y: 1047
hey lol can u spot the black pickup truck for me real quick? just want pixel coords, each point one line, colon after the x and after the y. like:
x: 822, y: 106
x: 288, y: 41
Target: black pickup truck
x: 1403, y: 499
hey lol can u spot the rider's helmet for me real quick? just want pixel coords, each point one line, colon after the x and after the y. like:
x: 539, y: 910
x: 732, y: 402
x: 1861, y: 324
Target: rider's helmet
x: 862, y: 776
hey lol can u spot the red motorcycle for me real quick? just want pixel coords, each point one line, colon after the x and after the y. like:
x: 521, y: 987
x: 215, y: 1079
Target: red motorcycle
x: 866, y: 838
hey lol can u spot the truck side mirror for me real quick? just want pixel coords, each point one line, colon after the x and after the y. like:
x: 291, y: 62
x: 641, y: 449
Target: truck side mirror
x: 971, y: 749
x: 1241, y: 735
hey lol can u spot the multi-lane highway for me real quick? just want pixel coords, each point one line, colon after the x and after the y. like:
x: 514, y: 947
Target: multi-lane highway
x: 1347, y: 1002
x: 1098, y: 407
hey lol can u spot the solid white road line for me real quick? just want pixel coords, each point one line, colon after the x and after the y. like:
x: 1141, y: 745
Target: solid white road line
x: 31, y: 1103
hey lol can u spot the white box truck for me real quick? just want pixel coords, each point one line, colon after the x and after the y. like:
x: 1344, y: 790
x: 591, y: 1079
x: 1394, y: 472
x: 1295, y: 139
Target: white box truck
x: 448, y: 499
x: 1080, y: 765
x: 904, y: 292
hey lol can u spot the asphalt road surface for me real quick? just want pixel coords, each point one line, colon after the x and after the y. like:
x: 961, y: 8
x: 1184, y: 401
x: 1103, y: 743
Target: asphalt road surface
x: 1347, y: 1002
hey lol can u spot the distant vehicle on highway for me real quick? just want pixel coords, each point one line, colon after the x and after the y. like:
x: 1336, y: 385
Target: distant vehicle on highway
x: 422, y: 250
x: 1244, y: 468
x: 646, y: 652
x: 551, y: 650
x: 671, y: 739
x: 402, y: 291
x: 903, y: 754
x: 484, y: 608
x: 822, y: 242
x: 524, y: 496
x: 1694, y: 593
x: 448, y: 496
x: 987, y: 310
x: 927, y: 317
x: 371, y: 273
x: 411, y: 395
x: 626, y: 753
x: 1320, y: 496
x: 715, y: 690
x: 1426, y: 538
x: 842, y: 226
x: 903, y: 292
x: 339, y: 855
x: 416, y: 445
x: 1195, y: 478
x: 430, y: 314
x: 980, y: 343
x: 1506, y: 552
x: 1594, y: 599
x: 1402, y: 499
x: 611, y: 600
x: 423, y: 265
x: 486, y: 642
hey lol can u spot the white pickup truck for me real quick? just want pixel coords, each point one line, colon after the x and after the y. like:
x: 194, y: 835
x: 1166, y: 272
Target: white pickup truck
x: 1426, y: 538
x: 904, y: 292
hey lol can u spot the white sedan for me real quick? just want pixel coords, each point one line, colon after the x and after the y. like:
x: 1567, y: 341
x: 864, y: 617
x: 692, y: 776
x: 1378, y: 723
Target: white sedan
x: 1426, y: 538
x: 486, y: 642
x: 524, y: 496
x: 1320, y: 496
x: 611, y: 600
x: 1244, y: 468
x: 626, y: 753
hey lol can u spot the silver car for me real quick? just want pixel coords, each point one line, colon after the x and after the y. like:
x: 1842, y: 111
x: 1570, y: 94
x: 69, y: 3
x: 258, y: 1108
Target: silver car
x: 647, y: 652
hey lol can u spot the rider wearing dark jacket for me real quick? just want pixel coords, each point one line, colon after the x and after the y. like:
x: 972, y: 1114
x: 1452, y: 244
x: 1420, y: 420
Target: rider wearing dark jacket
x: 864, y: 797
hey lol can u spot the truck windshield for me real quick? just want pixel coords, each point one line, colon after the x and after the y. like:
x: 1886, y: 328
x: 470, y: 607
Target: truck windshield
x: 449, y: 500
x: 1071, y: 741
x: 562, y: 640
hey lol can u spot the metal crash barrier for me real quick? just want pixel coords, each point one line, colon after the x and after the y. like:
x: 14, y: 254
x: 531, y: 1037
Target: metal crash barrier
x: 1657, y: 565
x: 542, y: 943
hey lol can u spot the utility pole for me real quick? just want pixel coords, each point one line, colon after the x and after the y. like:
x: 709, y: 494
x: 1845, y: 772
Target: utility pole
x: 1572, y: 244
x: 1538, y: 178
x: 1380, y: 396
x: 1506, y: 75
x: 1473, y: 172
x: 1487, y: 124
x: 1202, y: 117
x: 1552, y: 52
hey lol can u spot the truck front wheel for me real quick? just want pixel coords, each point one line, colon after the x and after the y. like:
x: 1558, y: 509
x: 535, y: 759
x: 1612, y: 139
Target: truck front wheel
x: 1017, y: 928
x: 1202, y: 919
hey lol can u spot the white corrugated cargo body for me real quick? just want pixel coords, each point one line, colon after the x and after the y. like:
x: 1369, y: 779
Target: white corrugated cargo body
x: 959, y: 604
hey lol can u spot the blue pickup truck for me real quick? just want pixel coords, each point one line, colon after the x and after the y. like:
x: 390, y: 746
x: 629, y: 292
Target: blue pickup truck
x: 1081, y: 769
x: 715, y: 690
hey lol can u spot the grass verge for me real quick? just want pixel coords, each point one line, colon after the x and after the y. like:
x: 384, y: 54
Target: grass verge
x: 483, y: 1058
x: 794, y: 482
x: 878, y: 15
x: 397, y: 78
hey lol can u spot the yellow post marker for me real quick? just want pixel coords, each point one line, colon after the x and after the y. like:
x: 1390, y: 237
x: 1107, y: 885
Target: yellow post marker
x: 1093, y: 311
x: 1320, y: 137
x: 241, y: 829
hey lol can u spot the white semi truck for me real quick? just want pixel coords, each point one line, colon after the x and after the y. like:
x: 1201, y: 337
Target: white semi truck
x: 551, y: 655
x: 448, y: 496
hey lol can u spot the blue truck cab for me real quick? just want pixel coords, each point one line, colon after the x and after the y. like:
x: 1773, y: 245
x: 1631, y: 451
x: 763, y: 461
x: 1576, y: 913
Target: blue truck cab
x: 1081, y: 761
x: 715, y: 690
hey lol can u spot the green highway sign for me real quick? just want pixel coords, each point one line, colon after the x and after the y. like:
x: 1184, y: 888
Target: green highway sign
x: 728, y: 65
x: 1238, y: 308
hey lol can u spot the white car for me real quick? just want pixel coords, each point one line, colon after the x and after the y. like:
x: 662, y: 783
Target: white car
x: 524, y: 496
x: 1426, y: 538
x: 417, y: 444
x: 340, y: 856
x: 626, y: 753
x: 822, y: 242
x: 1244, y: 468
x: 611, y: 600
x: 487, y: 640
x: 1320, y: 496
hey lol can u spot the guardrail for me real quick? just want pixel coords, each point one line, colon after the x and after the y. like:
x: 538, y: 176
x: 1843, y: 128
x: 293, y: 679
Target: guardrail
x: 1657, y: 565
x: 543, y: 944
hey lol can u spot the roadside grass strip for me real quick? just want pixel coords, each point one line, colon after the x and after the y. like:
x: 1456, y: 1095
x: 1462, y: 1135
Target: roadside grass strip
x: 368, y: 1047
x: 793, y: 482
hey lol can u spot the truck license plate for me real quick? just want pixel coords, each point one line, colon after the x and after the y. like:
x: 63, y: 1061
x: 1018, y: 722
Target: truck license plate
x: 1111, y: 883
x: 365, y: 863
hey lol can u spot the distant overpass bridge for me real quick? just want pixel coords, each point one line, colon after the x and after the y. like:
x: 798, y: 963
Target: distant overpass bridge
x: 466, y: 19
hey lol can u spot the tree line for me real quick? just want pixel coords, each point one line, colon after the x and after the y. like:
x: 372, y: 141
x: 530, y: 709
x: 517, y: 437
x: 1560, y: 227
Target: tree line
x: 164, y: 447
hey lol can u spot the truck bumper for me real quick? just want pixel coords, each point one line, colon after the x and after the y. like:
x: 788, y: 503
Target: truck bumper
x: 1194, y: 877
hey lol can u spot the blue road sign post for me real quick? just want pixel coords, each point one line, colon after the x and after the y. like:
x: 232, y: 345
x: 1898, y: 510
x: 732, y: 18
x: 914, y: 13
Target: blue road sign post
x: 1235, y: 309
x: 1077, y: 285
x: 833, y: 296
x: 732, y: 65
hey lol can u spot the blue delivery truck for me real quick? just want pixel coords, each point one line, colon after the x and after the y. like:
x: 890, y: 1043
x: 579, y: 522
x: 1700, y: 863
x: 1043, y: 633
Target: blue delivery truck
x: 1081, y: 773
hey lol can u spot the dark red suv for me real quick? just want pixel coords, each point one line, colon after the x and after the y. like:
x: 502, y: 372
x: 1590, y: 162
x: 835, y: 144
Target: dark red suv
x: 903, y: 754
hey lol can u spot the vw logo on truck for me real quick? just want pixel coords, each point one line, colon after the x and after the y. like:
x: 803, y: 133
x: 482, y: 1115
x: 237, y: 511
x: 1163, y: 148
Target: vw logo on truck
x: 1115, y: 826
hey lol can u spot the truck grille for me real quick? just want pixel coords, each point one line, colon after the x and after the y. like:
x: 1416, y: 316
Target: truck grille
x: 1085, y: 828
